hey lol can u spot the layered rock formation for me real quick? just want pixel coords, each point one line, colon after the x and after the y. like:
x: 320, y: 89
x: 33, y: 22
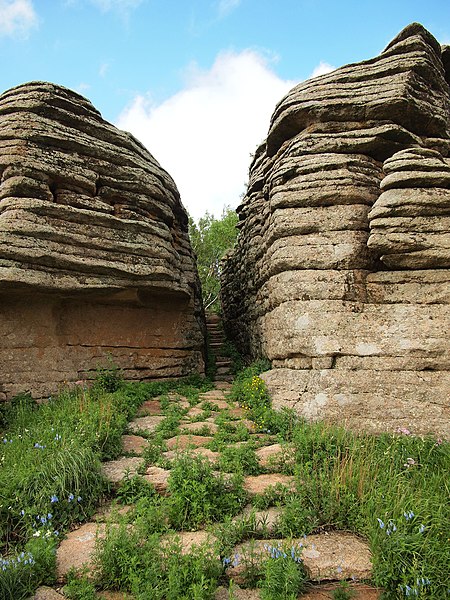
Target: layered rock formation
x: 95, y: 258
x: 341, y: 272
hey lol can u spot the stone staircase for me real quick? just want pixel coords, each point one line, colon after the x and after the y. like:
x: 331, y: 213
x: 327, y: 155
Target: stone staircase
x: 329, y: 557
x: 216, y: 341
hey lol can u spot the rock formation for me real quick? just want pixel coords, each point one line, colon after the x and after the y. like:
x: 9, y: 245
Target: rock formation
x: 95, y: 258
x: 341, y: 272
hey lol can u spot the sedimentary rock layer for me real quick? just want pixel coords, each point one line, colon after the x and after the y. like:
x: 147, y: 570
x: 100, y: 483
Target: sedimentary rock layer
x: 95, y: 257
x: 341, y: 271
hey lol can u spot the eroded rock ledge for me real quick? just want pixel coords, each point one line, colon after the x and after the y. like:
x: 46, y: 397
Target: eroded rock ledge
x: 95, y: 257
x: 341, y: 272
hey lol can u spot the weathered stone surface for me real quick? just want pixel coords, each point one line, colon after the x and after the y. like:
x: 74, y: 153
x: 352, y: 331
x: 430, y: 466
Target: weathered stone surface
x: 134, y: 444
x: 76, y: 551
x: 341, y: 272
x: 94, y: 251
x: 116, y: 470
x: 334, y: 556
x: 146, y: 424
x: 197, y: 426
x: 258, y: 484
x: 159, y: 478
x: 46, y: 593
x: 149, y: 407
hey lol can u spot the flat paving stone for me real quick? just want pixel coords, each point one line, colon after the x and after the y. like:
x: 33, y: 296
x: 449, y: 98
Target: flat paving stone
x: 223, y: 385
x: 258, y: 484
x: 46, y: 593
x: 181, y: 442
x: 134, y: 444
x: 76, y: 551
x: 194, y: 412
x: 159, y: 478
x: 199, y: 425
x: 147, y: 424
x: 237, y: 412
x: 273, y: 455
x: 150, y: 407
x: 222, y: 593
x: 334, y: 556
x: 116, y: 470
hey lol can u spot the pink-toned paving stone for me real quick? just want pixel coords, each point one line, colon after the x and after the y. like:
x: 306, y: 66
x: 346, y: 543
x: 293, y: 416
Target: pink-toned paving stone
x: 116, y: 470
x: 199, y: 425
x: 134, y: 444
x: 273, y: 455
x: 150, y: 407
x: 222, y: 385
x: 159, y: 478
x: 194, y: 412
x: 335, y: 556
x: 147, y: 424
x: 258, y: 484
x: 237, y: 412
x: 76, y: 551
x: 181, y: 442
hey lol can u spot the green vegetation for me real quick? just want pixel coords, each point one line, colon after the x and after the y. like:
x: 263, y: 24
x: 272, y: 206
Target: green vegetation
x: 210, y: 239
x: 391, y: 489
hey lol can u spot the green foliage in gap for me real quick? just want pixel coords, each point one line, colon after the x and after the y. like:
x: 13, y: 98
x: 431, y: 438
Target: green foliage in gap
x: 210, y: 239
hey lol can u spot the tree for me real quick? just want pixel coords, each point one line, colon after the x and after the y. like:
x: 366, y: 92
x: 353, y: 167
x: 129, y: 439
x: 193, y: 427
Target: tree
x: 210, y: 239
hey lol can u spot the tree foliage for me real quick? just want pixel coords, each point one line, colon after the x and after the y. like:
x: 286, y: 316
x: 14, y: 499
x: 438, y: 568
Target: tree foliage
x: 210, y: 239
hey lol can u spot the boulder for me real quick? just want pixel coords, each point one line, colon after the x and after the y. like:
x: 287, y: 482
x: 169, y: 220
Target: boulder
x: 95, y: 259
x: 340, y: 274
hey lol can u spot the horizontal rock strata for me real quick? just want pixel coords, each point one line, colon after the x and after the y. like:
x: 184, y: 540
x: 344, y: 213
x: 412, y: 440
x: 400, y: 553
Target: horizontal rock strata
x: 341, y: 271
x: 95, y: 258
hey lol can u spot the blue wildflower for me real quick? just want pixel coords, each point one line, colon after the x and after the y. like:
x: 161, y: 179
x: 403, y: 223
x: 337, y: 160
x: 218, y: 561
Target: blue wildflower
x: 54, y: 499
x: 380, y: 523
x: 71, y: 497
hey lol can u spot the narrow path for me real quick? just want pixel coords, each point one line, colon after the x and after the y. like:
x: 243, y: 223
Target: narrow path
x: 216, y: 341
x: 333, y: 557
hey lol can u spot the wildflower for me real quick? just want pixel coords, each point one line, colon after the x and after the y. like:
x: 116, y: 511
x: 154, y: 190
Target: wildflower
x: 79, y: 499
x: 235, y: 560
x: 57, y: 437
x: 71, y: 497
x: 49, y: 516
x: 408, y: 515
x: 380, y: 523
x: 421, y: 528
x: 40, y: 446
x: 403, y: 430
x: 22, y: 512
x: 409, y: 462
x: 54, y: 499
x: 226, y: 562
x: 438, y: 442
x: 339, y: 569
x: 43, y: 520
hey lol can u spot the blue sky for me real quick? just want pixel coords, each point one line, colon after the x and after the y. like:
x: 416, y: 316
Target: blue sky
x: 197, y: 80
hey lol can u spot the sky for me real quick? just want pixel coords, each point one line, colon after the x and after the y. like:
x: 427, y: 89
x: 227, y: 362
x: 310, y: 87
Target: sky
x: 197, y: 80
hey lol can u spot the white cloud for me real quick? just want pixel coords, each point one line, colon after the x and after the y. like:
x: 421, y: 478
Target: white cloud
x: 204, y: 134
x: 17, y: 17
x: 321, y: 69
x: 224, y: 7
x: 103, y: 69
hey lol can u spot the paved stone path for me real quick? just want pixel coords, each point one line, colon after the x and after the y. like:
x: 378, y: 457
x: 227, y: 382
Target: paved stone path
x: 331, y: 556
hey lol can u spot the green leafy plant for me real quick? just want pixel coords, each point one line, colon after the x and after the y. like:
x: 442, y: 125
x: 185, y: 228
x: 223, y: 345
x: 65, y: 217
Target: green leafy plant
x: 198, y: 496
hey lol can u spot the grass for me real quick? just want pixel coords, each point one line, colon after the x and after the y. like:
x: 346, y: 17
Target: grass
x: 390, y: 489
